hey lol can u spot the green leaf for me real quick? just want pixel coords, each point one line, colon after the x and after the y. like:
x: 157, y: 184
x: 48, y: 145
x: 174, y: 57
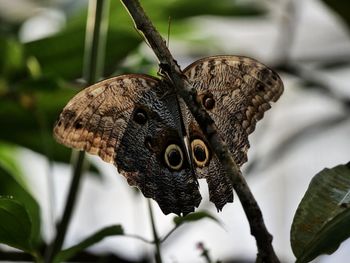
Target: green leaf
x: 322, y: 220
x: 64, y: 255
x: 12, y: 184
x: 15, y: 224
x: 121, y: 36
x: 8, y: 162
x: 192, y: 217
x: 28, y: 115
x: 12, y: 57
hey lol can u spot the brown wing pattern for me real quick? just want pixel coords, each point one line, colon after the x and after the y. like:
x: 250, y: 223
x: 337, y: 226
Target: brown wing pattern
x: 242, y: 90
x: 134, y: 122
x: 94, y: 120
x: 129, y: 122
x: 220, y: 187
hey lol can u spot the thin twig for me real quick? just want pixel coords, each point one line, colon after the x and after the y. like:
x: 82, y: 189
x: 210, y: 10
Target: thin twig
x: 204, y: 252
x: 139, y: 238
x: 158, y: 256
x: 169, y: 234
x: 93, y: 62
x: 171, y: 68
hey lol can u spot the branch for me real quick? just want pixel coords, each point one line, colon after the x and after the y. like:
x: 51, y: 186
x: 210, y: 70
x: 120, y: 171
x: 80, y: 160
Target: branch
x: 185, y: 90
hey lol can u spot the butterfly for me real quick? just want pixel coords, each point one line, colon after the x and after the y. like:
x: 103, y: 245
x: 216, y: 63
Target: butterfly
x: 139, y: 124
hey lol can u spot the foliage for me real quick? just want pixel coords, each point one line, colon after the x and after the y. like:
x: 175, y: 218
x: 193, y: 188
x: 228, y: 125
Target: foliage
x: 322, y: 220
x: 18, y: 230
x: 39, y: 77
x: 16, y: 196
x: 179, y: 220
x: 36, y: 82
x: 68, y: 253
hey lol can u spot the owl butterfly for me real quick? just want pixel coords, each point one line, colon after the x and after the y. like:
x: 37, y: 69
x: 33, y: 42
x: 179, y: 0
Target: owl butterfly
x: 138, y: 123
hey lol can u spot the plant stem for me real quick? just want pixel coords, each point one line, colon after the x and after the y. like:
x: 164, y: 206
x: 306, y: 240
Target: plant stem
x: 157, y: 255
x: 96, y: 30
x: 172, y: 70
x: 70, y: 202
x: 205, y: 252
x: 95, y: 40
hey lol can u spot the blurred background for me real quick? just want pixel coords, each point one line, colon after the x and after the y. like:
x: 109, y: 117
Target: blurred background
x: 41, y: 64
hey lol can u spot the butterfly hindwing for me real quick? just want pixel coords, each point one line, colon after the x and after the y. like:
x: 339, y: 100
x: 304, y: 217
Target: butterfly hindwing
x: 205, y: 163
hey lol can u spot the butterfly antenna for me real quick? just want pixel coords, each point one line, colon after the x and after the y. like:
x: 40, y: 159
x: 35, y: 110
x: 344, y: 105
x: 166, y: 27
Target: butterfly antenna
x: 169, y: 24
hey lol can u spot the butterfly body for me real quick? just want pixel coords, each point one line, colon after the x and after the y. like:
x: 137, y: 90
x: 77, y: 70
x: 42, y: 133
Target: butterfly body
x: 139, y: 123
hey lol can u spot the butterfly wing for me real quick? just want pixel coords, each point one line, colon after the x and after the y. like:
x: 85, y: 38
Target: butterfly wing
x: 125, y: 121
x: 209, y: 166
x: 236, y: 91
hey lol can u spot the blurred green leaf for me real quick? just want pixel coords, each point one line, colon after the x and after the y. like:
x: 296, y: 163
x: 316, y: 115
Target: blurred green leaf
x: 192, y: 217
x: 62, y: 54
x: 15, y: 225
x: 322, y: 220
x: 184, y: 9
x: 28, y: 116
x: 12, y: 56
x: 33, y: 67
x: 28, y: 112
x: 341, y: 7
x: 12, y: 185
x: 64, y: 255
x: 8, y: 162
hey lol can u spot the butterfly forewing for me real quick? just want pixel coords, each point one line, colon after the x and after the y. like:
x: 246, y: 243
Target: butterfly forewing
x: 236, y: 91
x: 94, y: 120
